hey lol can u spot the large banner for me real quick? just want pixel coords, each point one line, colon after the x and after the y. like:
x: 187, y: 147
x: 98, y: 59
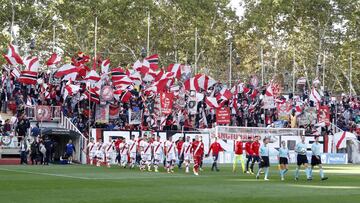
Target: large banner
x: 223, y: 115
x: 309, y: 116
x: 134, y: 117
x: 107, y: 93
x: 114, y: 112
x: 43, y: 113
x: 102, y: 114
x: 269, y: 102
x: 324, y: 115
x: 166, y: 101
x: 284, y: 110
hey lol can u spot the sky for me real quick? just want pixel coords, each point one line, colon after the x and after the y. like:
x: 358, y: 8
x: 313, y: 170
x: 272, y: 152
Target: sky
x: 235, y: 4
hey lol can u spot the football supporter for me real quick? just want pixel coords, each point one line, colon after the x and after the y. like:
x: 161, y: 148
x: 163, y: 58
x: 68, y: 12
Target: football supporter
x: 215, y: 148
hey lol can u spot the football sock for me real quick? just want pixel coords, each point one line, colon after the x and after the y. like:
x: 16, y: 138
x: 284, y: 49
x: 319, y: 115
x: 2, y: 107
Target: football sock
x: 297, y: 172
x: 266, y: 172
x: 321, y: 173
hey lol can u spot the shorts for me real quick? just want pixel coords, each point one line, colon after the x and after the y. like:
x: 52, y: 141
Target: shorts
x: 108, y: 156
x: 69, y: 154
x: 157, y: 157
x: 249, y: 156
x: 146, y: 157
x: 255, y: 158
x: 302, y: 159
x: 283, y: 160
x: 133, y: 155
x: 100, y: 155
x: 91, y: 155
x: 315, y: 161
x: 265, y: 162
x: 187, y: 157
x: 170, y: 157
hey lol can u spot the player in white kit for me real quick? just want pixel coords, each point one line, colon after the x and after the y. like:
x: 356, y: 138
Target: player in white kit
x: 109, y: 149
x: 91, y: 150
x: 123, y: 153
x: 157, y: 151
x: 186, y: 151
x: 132, y: 144
x: 145, y: 152
x: 170, y: 153
x: 99, y: 152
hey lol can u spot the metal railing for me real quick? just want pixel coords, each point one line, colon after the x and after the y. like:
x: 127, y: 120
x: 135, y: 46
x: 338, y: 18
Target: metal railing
x: 65, y: 122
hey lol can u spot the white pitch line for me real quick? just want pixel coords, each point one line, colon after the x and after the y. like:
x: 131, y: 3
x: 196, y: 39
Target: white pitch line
x: 89, y: 178
x: 327, y: 186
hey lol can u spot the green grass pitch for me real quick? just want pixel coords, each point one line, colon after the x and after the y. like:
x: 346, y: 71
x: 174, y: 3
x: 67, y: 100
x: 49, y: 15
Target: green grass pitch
x: 79, y: 183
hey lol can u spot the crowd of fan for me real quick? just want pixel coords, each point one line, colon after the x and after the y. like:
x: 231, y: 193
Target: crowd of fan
x: 16, y: 97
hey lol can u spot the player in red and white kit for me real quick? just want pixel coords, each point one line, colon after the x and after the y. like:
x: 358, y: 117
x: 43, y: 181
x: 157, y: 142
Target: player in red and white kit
x: 157, y: 147
x: 170, y: 154
x: 109, y: 149
x: 255, y: 146
x: 215, y: 148
x: 145, y: 152
x: 91, y: 151
x: 132, y: 144
x: 123, y: 153
x: 197, y: 150
x: 186, y: 153
x: 99, y: 152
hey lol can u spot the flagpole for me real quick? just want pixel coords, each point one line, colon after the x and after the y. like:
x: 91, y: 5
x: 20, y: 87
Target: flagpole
x: 148, y: 34
x: 95, y: 41
x: 230, y: 66
x: 350, y: 76
x: 262, y: 65
x: 89, y: 113
x: 323, y: 73
x: 293, y: 73
x: 195, y: 63
x: 54, y: 37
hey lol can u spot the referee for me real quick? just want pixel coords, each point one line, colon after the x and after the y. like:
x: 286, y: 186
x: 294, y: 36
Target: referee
x: 264, y: 159
x: 301, y: 149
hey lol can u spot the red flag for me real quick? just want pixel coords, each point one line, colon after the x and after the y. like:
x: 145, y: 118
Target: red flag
x: 54, y: 59
x: 12, y: 57
x: 153, y: 61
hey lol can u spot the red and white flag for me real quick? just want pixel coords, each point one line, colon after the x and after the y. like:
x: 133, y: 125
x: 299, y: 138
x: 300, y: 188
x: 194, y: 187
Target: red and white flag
x: 142, y: 67
x: 15, y: 73
x: 92, y: 77
x: 211, y: 102
x: 65, y: 70
x: 122, y: 95
x: 224, y: 95
x: 12, y: 57
x: 29, y: 75
x: 153, y: 61
x: 123, y: 80
x: 105, y: 66
x: 71, y: 90
x: 315, y: 96
x: 53, y: 60
x: 176, y: 69
x: 200, y: 81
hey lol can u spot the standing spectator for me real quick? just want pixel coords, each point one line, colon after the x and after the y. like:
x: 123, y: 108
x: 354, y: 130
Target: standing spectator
x: 7, y: 127
x: 4, y: 100
x: 34, y: 152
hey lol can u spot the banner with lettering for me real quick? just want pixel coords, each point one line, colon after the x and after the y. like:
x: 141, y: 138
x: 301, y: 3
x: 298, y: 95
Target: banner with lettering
x: 223, y: 115
x: 166, y: 100
x: 324, y: 115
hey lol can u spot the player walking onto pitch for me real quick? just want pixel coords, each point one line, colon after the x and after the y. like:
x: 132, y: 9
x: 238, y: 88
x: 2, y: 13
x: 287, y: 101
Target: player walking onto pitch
x: 132, y: 151
x: 249, y: 154
x: 197, y: 149
x: 238, y: 155
x: 264, y: 157
x: 123, y: 153
x: 99, y: 153
x: 157, y: 151
x: 91, y: 151
x: 255, y: 146
x: 170, y: 154
x: 215, y: 147
x: 70, y: 149
x: 186, y: 153
x: 283, y: 159
x: 145, y: 151
x: 109, y: 149
x: 316, y: 159
x: 301, y: 149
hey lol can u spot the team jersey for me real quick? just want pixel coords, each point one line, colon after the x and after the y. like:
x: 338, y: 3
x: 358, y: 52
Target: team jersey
x: 255, y: 146
x: 238, y: 147
x: 98, y: 146
x: 70, y: 148
x: 169, y: 147
x: 197, y: 148
x: 179, y: 145
x: 145, y: 147
x: 123, y: 148
x: 91, y: 147
x: 264, y: 150
x: 315, y: 148
x: 283, y: 152
x: 248, y: 148
x: 157, y: 147
x: 186, y: 148
x: 108, y: 147
x: 299, y: 147
x: 132, y: 146
x: 216, y: 148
